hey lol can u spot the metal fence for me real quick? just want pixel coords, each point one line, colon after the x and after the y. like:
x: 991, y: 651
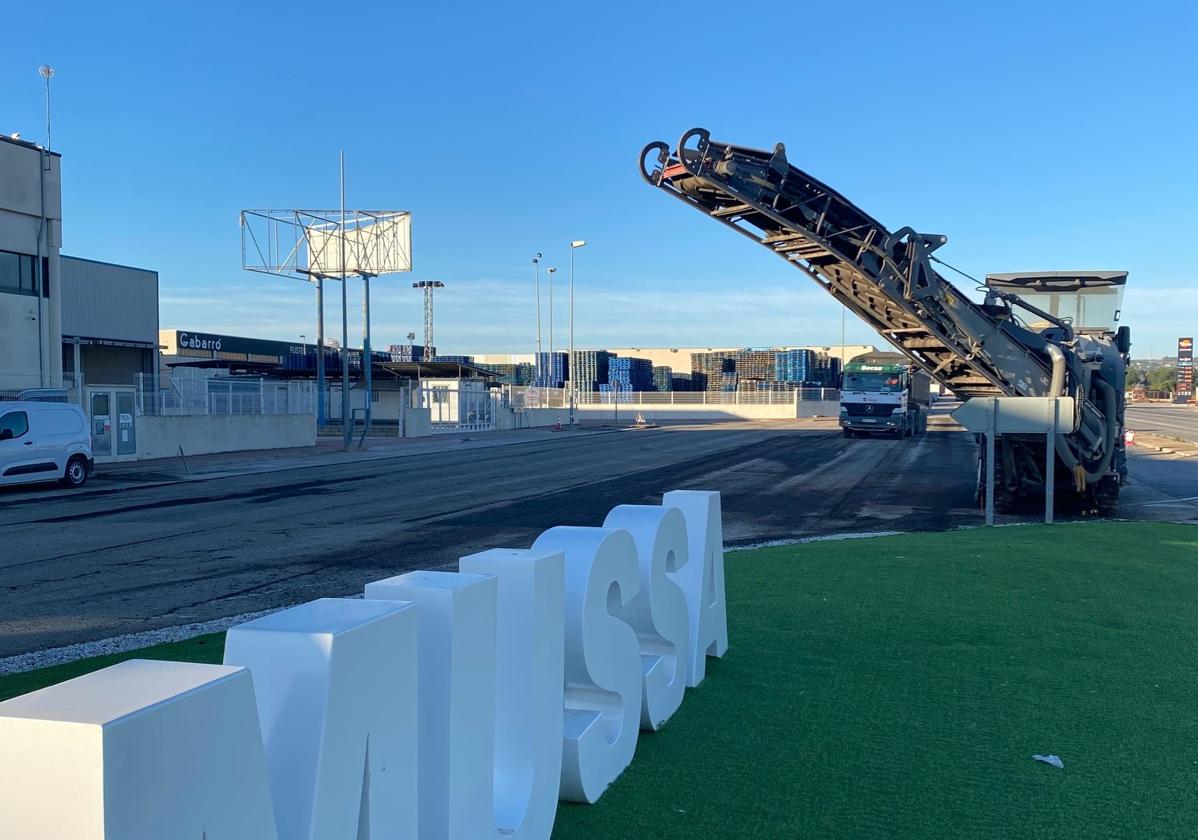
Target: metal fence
x: 30, y: 386
x: 190, y: 395
x: 517, y: 397
x: 459, y: 409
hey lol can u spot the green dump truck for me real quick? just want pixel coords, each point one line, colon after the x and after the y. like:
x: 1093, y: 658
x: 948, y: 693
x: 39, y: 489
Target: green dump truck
x: 884, y: 393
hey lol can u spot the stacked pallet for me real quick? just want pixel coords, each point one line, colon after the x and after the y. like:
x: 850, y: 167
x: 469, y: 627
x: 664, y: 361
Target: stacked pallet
x: 683, y: 382
x: 711, y: 368
x: 589, y: 368
x: 663, y: 378
x: 633, y: 373
x: 755, y: 364
x: 827, y: 371
x: 411, y: 353
x: 615, y: 393
x: 552, y: 370
x: 795, y: 366
x: 522, y: 373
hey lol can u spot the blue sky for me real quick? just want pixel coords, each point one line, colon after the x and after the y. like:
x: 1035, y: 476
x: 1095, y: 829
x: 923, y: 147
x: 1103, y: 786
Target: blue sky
x: 1035, y: 135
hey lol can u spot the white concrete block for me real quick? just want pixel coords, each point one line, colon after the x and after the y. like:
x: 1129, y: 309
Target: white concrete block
x: 659, y: 613
x: 138, y: 751
x: 529, y: 690
x: 603, y: 658
x: 456, y: 698
x: 336, y: 688
x: 702, y: 578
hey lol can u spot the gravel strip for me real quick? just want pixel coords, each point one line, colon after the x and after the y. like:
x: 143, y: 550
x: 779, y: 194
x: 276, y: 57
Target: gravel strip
x: 119, y: 644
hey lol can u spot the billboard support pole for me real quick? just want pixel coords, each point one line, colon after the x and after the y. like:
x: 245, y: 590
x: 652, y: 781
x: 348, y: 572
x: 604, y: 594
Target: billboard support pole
x: 367, y: 358
x: 346, y: 428
x: 320, y: 390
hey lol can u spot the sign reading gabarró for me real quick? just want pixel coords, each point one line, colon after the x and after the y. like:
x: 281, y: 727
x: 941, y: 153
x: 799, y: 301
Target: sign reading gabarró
x: 442, y: 706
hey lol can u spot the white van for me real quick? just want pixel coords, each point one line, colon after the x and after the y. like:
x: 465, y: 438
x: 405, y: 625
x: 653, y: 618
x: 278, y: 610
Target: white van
x: 44, y: 441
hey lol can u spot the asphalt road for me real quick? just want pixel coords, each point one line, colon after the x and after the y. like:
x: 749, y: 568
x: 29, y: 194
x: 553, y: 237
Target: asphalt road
x: 77, y: 569
x: 1171, y: 421
x: 80, y: 567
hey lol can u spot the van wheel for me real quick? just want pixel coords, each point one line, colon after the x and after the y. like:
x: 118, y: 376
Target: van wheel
x: 76, y: 472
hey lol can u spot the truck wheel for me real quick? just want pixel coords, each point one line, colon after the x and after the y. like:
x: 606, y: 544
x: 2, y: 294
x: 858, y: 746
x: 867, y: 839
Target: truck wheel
x: 75, y: 475
x: 849, y: 433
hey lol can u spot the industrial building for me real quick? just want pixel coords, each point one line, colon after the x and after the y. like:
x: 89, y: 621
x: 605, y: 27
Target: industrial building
x: 30, y: 240
x: 109, y: 322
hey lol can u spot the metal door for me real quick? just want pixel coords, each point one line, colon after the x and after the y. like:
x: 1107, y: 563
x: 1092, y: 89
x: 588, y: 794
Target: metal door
x: 100, y: 412
x: 126, y: 438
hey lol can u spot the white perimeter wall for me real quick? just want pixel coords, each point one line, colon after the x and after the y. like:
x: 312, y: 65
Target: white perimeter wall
x: 659, y: 411
x: 161, y: 437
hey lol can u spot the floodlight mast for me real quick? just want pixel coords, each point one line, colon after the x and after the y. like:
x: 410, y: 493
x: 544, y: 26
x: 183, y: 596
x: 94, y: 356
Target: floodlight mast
x: 427, y: 286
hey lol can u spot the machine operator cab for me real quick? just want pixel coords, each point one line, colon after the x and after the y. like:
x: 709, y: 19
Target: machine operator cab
x: 1054, y: 302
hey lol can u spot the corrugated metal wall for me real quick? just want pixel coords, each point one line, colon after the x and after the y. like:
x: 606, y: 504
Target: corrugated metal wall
x: 111, y: 302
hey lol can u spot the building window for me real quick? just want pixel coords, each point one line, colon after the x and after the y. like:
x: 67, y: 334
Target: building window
x: 19, y: 274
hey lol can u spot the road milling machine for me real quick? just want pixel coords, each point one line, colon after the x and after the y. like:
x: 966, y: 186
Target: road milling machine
x: 1038, y: 334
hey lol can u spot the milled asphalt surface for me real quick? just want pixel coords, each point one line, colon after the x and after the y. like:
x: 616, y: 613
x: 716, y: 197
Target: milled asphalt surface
x: 138, y: 550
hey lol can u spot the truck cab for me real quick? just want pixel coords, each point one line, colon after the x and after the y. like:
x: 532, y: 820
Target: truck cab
x: 883, y: 393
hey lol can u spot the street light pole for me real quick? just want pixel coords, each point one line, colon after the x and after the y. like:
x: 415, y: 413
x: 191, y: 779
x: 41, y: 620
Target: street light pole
x: 551, y: 271
x: 536, y: 362
x: 577, y: 243
x: 842, y: 359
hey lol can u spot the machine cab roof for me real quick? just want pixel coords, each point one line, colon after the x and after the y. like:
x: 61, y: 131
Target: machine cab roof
x: 1090, y: 301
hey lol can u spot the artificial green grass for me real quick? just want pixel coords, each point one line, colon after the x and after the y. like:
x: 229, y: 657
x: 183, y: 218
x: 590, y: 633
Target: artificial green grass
x: 898, y: 687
